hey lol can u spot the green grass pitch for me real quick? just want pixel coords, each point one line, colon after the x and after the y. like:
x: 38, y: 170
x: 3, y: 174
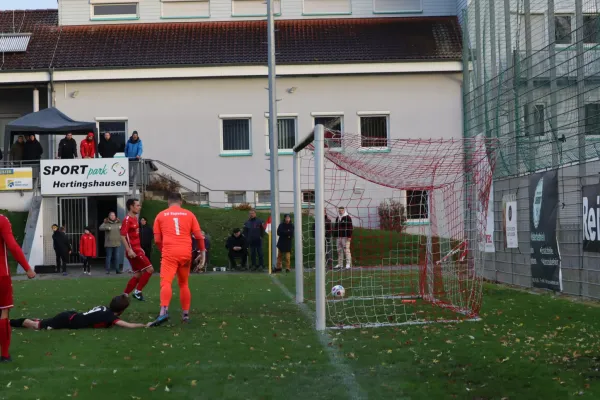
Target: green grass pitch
x: 247, y: 340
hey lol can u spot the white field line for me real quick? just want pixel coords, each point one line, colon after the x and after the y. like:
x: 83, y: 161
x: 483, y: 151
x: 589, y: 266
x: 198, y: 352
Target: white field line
x: 336, y: 358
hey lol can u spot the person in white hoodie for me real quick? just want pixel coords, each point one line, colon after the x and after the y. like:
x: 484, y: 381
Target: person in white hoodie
x: 343, y: 229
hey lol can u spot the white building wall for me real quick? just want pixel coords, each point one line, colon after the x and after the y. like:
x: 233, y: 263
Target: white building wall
x: 78, y: 12
x: 15, y: 201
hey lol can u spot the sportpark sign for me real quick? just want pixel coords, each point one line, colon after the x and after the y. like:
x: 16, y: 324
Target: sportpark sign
x: 84, y: 177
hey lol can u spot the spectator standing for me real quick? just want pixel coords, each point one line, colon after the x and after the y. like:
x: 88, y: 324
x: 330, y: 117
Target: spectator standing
x: 67, y: 147
x: 87, y: 250
x: 254, y: 232
x: 88, y: 146
x: 112, y: 241
x: 146, y: 236
x: 62, y: 248
x: 17, y: 149
x: 237, y: 247
x: 343, y: 229
x: 134, y: 148
x: 32, y: 150
x: 107, y: 147
x: 285, y: 231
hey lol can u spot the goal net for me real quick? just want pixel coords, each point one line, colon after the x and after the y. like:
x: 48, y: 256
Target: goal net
x: 402, y: 227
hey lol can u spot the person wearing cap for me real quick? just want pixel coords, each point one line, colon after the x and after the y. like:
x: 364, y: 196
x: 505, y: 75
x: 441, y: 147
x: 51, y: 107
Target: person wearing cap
x: 285, y: 231
x: 88, y: 146
x: 67, y: 147
x: 87, y: 249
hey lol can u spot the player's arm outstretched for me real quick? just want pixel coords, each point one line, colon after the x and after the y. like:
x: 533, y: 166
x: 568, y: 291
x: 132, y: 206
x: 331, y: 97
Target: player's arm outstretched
x: 131, y: 325
x: 13, y: 247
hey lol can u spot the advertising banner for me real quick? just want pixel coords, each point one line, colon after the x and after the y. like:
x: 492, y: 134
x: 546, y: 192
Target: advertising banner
x: 543, y: 213
x: 509, y: 222
x: 591, y: 213
x: 16, y: 179
x: 83, y: 177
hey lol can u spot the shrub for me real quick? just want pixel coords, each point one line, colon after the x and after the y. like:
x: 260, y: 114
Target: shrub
x: 163, y: 183
x: 392, y: 215
x: 243, y: 207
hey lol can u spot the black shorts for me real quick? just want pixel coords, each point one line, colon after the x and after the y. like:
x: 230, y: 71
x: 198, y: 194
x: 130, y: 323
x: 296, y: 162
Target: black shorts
x: 59, y: 321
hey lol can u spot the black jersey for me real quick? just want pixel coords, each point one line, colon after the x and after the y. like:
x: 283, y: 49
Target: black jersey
x: 97, y: 317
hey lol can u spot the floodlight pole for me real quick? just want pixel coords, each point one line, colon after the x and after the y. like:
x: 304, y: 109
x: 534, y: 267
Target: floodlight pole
x: 319, y: 155
x: 273, y: 132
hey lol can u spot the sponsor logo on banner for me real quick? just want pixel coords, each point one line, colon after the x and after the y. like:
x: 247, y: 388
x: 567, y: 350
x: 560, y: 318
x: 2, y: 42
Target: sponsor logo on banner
x: 545, y: 254
x: 509, y: 222
x: 591, y: 218
x: 81, y: 177
x: 16, y: 179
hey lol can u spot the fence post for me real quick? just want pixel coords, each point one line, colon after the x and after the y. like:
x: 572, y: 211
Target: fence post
x: 298, y: 245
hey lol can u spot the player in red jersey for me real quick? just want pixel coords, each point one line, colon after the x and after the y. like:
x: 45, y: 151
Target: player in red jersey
x: 8, y: 244
x: 173, y: 228
x: 130, y: 236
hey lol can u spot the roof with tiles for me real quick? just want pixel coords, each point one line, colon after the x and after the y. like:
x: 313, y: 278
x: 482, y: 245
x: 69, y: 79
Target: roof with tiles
x: 227, y: 43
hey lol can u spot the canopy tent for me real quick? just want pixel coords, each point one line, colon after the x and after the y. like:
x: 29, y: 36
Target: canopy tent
x: 49, y: 121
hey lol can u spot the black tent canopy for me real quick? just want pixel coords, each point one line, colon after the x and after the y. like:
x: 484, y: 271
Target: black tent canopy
x: 49, y: 121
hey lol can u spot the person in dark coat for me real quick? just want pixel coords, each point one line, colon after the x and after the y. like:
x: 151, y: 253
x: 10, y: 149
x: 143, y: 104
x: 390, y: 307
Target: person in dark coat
x: 237, y: 247
x: 285, y: 231
x: 62, y: 248
x: 32, y: 150
x: 254, y: 231
x: 67, y: 147
x: 107, y: 147
x: 146, y: 236
x: 17, y: 149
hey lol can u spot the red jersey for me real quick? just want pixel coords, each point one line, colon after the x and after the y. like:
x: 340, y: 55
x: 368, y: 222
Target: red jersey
x: 176, y: 225
x: 87, y: 245
x: 9, y: 244
x: 131, y: 230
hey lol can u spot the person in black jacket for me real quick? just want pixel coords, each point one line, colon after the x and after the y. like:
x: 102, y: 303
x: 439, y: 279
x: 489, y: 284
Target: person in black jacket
x: 285, y: 231
x: 146, y: 236
x: 67, y: 147
x: 107, y: 147
x: 62, y: 248
x: 254, y: 231
x: 343, y: 230
x: 238, y: 248
x: 32, y: 150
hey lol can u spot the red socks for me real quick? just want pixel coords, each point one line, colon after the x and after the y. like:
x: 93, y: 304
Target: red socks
x: 5, y: 332
x: 144, y: 280
x: 131, y: 285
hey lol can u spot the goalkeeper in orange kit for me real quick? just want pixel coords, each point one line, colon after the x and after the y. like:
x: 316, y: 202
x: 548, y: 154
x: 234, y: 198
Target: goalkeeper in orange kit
x: 173, y: 228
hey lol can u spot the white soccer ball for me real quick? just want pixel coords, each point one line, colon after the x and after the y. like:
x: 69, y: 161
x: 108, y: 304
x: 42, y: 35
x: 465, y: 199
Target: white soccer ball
x: 338, y: 291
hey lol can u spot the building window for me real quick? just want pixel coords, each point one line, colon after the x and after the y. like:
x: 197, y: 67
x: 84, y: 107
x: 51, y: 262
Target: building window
x: 374, y: 131
x: 185, y: 8
x: 563, y: 32
x: 333, y: 130
x: 286, y: 129
x: 117, y: 130
x: 235, y: 136
x: 235, y: 198
x: 262, y: 198
x: 253, y: 8
x: 397, y: 6
x: 592, y: 119
x: 308, y: 196
x: 591, y: 24
x: 123, y: 10
x: 417, y: 205
x: 204, y: 198
x: 326, y: 7
x: 539, y: 117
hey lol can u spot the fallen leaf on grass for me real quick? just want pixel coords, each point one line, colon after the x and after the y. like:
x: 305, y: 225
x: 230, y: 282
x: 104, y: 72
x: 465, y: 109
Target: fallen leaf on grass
x: 167, y: 389
x: 127, y: 358
x: 8, y: 385
x: 230, y: 377
x: 194, y: 383
x: 26, y: 387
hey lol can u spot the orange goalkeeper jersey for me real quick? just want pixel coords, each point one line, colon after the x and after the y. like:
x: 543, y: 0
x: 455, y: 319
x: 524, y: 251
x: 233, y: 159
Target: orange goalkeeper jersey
x: 176, y: 226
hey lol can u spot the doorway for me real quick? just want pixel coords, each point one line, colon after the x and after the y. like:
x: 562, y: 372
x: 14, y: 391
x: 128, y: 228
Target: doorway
x: 73, y: 214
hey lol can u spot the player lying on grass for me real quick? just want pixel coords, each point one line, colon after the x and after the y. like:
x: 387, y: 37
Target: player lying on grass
x: 97, y: 317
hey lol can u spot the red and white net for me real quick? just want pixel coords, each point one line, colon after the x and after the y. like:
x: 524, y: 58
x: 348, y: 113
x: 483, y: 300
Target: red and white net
x: 418, y: 210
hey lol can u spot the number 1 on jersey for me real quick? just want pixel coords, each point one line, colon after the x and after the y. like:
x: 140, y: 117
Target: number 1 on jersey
x: 176, y: 221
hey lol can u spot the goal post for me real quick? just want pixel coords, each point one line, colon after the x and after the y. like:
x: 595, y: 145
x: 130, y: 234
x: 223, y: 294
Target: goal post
x: 398, y: 223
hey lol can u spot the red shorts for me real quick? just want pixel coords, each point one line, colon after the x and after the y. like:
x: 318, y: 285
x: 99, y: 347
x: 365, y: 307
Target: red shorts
x: 6, y: 292
x: 140, y: 262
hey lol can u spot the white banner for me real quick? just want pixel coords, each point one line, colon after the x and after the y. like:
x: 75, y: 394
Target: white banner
x: 510, y: 218
x: 82, y: 177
